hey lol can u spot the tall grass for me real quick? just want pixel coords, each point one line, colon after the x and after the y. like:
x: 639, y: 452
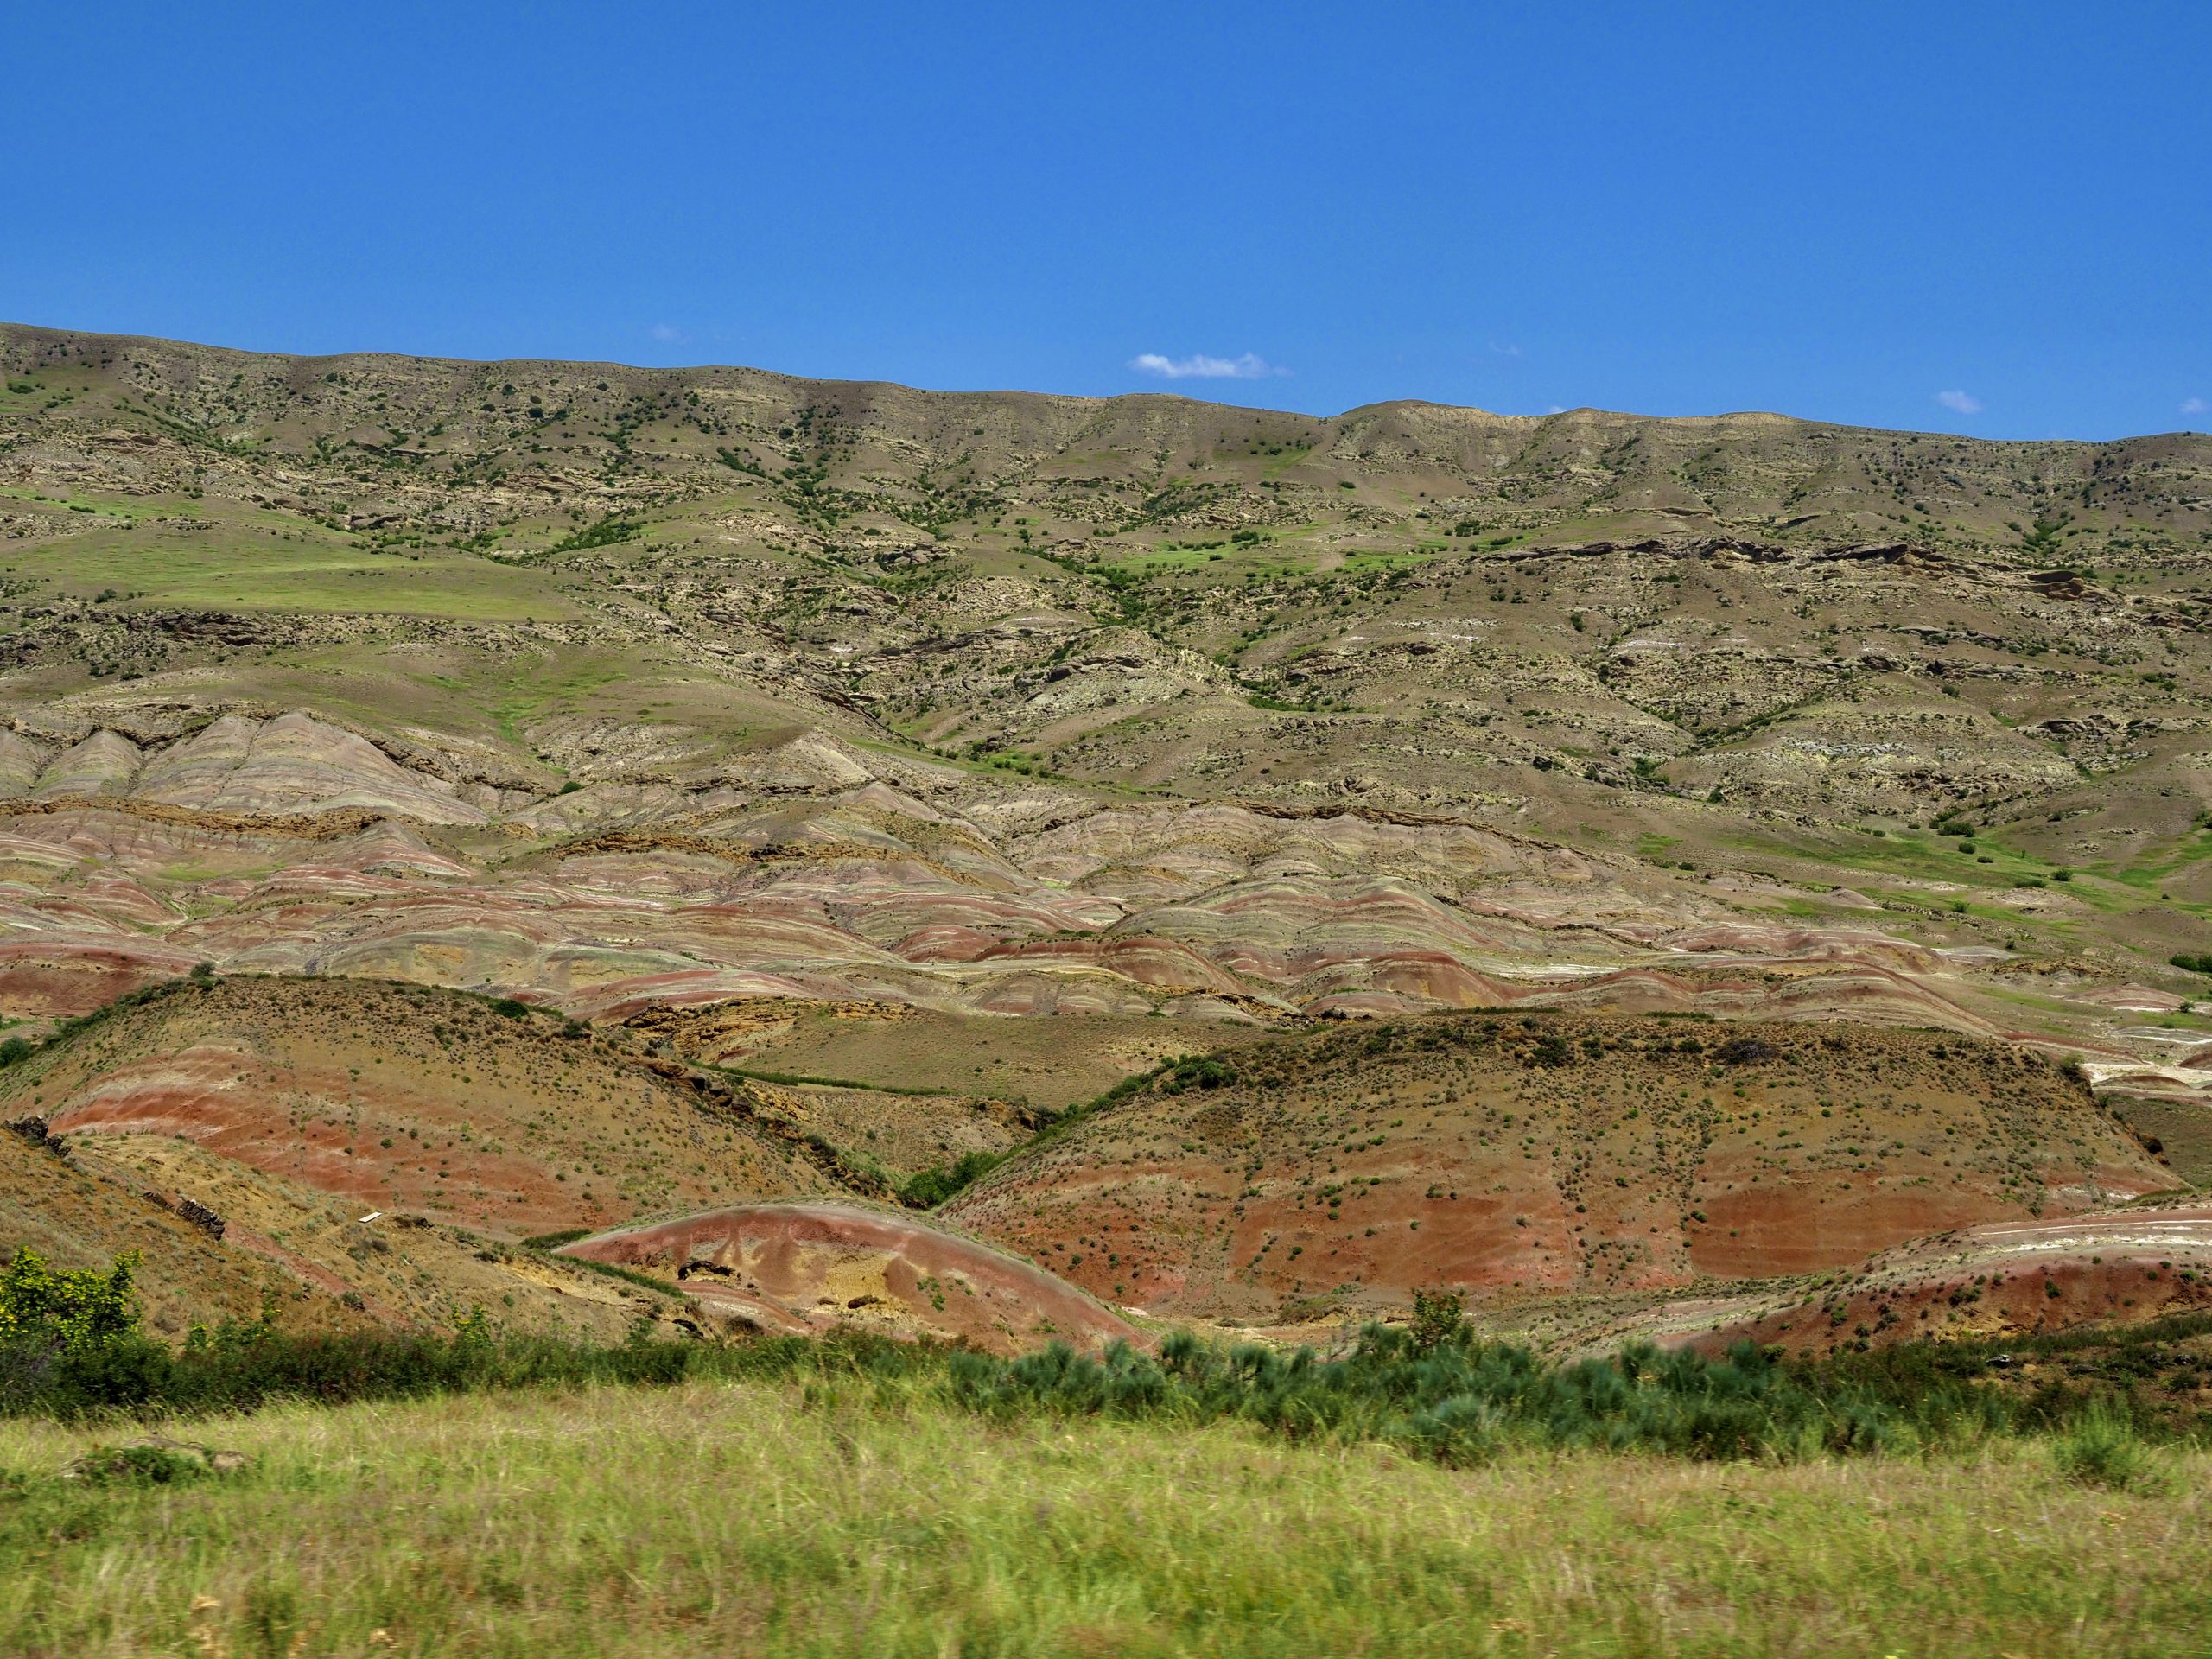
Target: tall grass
x: 840, y: 1513
x: 2103, y: 1449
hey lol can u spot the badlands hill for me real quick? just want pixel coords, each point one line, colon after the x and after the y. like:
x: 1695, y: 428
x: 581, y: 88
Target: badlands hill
x: 1344, y: 1169
x: 844, y: 779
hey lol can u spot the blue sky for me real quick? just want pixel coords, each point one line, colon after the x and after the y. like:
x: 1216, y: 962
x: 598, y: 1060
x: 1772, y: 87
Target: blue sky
x: 1986, y: 219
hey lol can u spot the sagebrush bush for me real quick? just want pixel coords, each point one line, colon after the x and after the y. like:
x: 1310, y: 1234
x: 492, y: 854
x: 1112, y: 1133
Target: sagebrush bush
x: 146, y: 1466
x: 1454, y: 1398
x: 1434, y: 1387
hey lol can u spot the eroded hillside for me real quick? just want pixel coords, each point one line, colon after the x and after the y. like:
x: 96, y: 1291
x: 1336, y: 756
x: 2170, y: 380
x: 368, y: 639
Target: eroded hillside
x: 287, y: 1111
x: 861, y: 775
x: 1340, y: 1170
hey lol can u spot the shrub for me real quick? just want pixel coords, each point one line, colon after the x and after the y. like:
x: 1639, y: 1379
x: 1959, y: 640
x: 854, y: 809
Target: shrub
x: 1209, y: 1072
x: 1439, y: 1317
x: 2103, y: 1449
x: 1432, y: 1388
x: 1744, y: 1051
x: 931, y: 1187
x: 607, y: 533
x: 1551, y: 1049
x: 75, y: 1312
x: 146, y: 1466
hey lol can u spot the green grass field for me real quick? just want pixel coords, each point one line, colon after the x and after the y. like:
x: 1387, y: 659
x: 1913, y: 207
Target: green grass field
x: 767, y: 1518
x: 250, y: 568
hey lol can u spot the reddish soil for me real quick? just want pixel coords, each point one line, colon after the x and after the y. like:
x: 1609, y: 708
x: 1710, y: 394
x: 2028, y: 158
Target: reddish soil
x: 1566, y: 1154
x: 2006, y: 1280
x: 401, y: 1099
x: 38, y: 978
x: 78, y: 1211
x: 808, y: 1267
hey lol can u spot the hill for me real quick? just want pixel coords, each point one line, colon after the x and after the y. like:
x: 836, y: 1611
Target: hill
x: 1336, y: 1172
x: 849, y: 778
x: 1424, y: 608
x: 289, y: 1110
x: 77, y: 1213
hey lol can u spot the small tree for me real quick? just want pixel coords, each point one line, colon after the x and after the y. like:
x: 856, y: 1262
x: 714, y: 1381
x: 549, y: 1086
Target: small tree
x: 77, y: 1310
x: 1439, y: 1317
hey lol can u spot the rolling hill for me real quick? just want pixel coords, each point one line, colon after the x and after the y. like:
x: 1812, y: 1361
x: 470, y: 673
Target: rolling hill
x: 1337, y: 1172
x: 638, y: 795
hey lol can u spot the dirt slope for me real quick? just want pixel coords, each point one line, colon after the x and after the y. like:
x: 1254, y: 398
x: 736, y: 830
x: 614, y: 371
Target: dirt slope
x: 811, y: 1267
x: 2003, y: 1280
x: 80, y: 1211
x: 940, y: 759
x: 402, y: 1099
x: 1564, y: 1153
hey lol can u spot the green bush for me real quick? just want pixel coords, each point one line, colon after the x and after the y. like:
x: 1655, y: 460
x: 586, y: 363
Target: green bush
x: 75, y: 1312
x: 139, y: 1465
x: 1458, y: 1400
x: 1439, y: 1317
x: 607, y: 533
x: 243, y: 1366
x: 2103, y: 1449
x: 1434, y: 1387
x: 931, y: 1187
x: 1205, y: 1072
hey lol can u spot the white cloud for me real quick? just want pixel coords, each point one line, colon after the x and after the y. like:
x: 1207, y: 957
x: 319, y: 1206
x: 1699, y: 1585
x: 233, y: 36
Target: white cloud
x: 1202, y: 367
x: 666, y: 332
x: 2195, y: 406
x: 1960, y: 402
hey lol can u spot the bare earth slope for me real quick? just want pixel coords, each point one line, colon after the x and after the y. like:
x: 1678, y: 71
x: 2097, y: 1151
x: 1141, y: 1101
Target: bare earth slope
x: 876, y: 771
x: 808, y: 1267
x: 2003, y: 1279
x: 78, y: 1212
x: 1342, y: 1171
x: 291, y: 1109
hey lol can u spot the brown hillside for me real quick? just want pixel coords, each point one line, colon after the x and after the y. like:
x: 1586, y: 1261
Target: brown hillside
x: 804, y: 1268
x: 84, y: 1212
x: 2002, y: 1281
x: 402, y: 1099
x: 938, y: 758
x: 1344, y: 1169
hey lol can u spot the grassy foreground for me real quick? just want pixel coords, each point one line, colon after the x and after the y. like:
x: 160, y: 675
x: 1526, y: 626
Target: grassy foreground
x: 719, y: 1517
